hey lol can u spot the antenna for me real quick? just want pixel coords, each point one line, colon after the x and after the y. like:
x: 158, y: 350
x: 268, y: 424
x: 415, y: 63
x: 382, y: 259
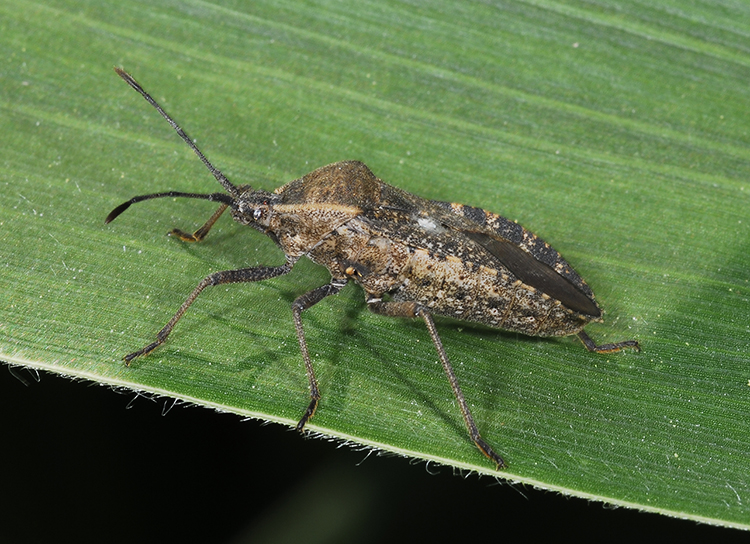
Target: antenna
x: 231, y: 188
x: 213, y: 197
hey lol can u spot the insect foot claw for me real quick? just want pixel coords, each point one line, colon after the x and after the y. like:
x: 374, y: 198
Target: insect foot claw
x: 607, y: 348
x: 145, y: 351
x: 182, y: 235
x: 310, y: 412
x: 485, y: 448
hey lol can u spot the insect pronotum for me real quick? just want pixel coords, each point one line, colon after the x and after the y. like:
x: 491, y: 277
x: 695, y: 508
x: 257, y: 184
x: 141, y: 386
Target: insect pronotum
x: 412, y: 257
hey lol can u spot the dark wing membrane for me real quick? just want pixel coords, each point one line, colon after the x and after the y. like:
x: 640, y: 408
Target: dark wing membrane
x: 535, y: 273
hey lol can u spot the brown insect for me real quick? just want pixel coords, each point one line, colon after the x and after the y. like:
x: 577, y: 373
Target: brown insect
x: 413, y: 258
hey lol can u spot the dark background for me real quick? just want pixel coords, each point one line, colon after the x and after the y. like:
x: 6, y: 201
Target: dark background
x: 87, y: 463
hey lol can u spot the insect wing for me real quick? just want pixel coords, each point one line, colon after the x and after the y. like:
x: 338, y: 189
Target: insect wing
x: 525, y: 255
x: 477, y: 236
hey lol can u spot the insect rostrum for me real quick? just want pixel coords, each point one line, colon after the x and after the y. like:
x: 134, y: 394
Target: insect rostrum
x: 413, y: 258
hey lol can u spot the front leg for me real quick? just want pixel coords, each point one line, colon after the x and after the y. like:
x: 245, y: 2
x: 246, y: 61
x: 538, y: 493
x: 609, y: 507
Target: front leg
x: 412, y: 309
x: 199, y: 234
x: 301, y: 304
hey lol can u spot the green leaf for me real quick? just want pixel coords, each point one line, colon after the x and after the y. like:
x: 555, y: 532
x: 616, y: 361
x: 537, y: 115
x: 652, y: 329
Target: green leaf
x: 616, y: 132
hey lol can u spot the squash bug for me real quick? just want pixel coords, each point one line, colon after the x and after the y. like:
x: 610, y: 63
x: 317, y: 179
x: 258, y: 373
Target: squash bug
x: 413, y: 258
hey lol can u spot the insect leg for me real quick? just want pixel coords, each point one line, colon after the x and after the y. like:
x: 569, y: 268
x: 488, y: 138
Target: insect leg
x: 607, y: 348
x: 241, y: 275
x: 411, y: 309
x: 298, y: 306
x: 199, y: 234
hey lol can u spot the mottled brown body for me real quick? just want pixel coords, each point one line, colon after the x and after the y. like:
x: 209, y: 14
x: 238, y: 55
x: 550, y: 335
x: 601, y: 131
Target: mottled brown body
x: 413, y: 258
x: 397, y: 244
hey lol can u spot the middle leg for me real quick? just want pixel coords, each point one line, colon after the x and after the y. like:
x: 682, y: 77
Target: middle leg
x: 301, y: 304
